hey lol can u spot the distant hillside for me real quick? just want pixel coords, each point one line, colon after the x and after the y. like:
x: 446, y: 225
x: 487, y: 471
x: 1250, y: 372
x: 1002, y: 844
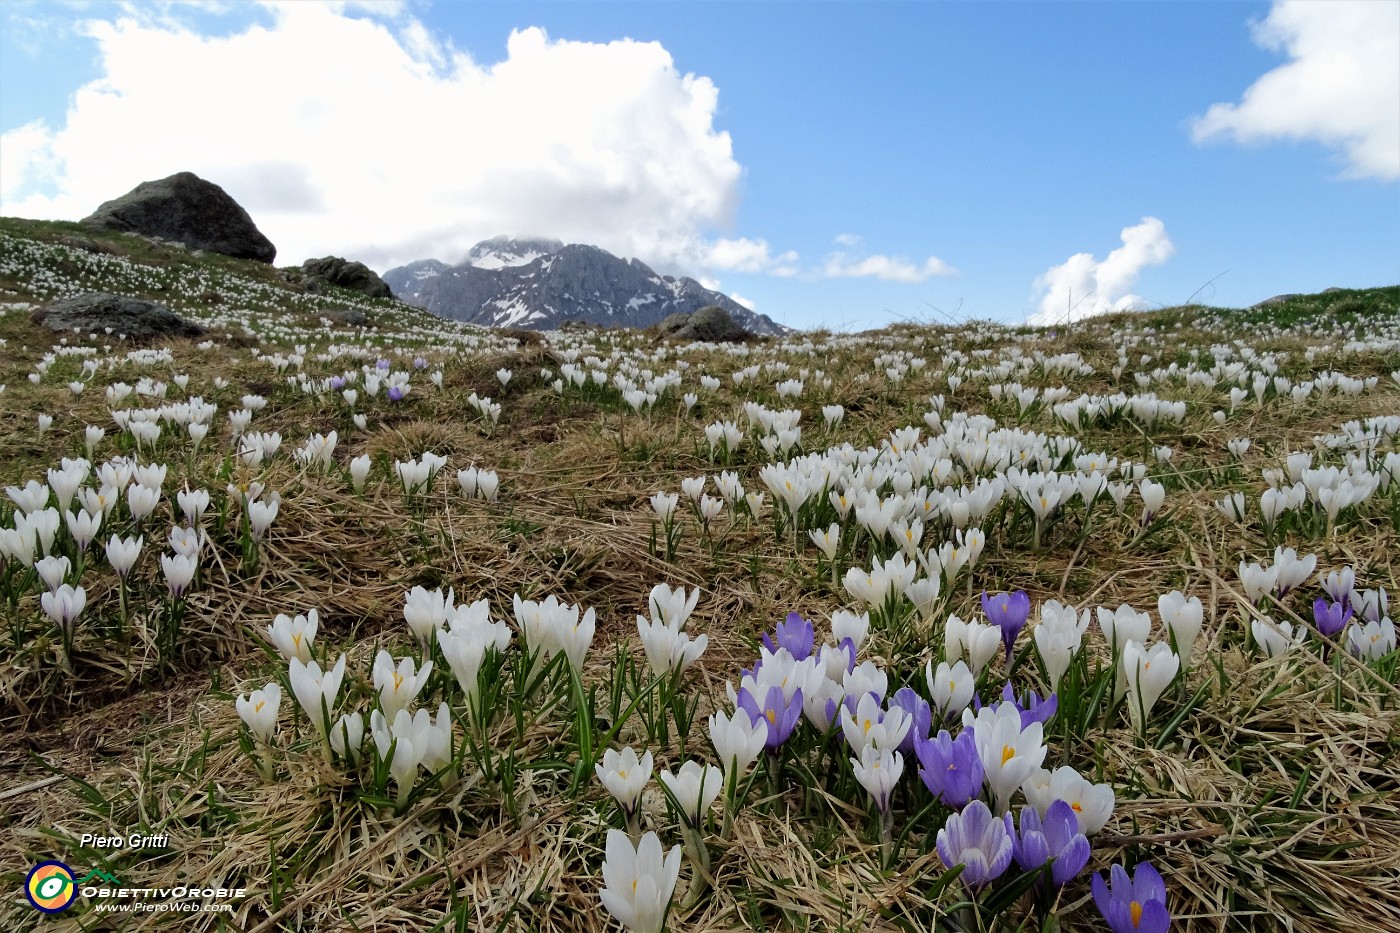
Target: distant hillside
x: 541, y: 284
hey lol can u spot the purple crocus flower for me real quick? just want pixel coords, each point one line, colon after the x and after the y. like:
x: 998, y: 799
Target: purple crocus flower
x: 1009, y: 612
x: 395, y: 393
x: 419, y: 362
x: 1033, y: 707
x: 781, y: 715
x: 337, y: 382
x: 978, y: 841
x: 1136, y: 905
x: 920, y: 717
x: 1057, y: 837
x: 382, y: 364
x: 795, y: 634
x: 1330, y: 617
x: 950, y: 768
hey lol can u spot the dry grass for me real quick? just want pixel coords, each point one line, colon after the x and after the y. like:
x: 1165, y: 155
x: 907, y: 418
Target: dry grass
x: 1273, y: 804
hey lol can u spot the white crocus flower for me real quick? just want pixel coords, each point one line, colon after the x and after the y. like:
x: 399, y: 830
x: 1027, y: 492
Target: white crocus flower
x: 1274, y: 638
x: 398, y: 685
x: 672, y: 606
x: 259, y: 711
x: 141, y: 500
x: 316, y: 690
x: 950, y: 687
x: 694, y: 787
x: 738, y: 740
x: 261, y: 515
x: 1371, y: 641
x: 122, y: 553
x: 1122, y: 625
x: 348, y: 736
x: 63, y: 605
x: 1147, y: 672
x: 179, y: 571
x: 878, y: 770
x: 846, y: 624
x: 1009, y: 753
x: 53, y: 570
x: 193, y: 504
x: 292, y: 636
x: 977, y: 640
x: 625, y: 774
x: 639, y: 881
x: 874, y: 727
x: 1092, y: 803
x: 426, y: 612
x: 359, y: 470
x: 668, y: 648
x: 1183, y: 619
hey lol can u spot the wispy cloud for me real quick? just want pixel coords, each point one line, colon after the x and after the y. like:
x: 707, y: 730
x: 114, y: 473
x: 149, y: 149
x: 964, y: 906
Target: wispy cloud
x: 850, y: 262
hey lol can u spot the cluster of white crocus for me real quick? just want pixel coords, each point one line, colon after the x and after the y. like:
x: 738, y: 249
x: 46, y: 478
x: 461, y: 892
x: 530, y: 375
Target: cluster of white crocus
x: 1288, y: 572
x: 489, y: 410
x: 552, y: 627
x: 416, y: 474
x: 479, y: 483
x: 319, y: 450
x: 669, y: 648
x: 464, y: 633
x: 410, y: 741
x: 1146, y: 670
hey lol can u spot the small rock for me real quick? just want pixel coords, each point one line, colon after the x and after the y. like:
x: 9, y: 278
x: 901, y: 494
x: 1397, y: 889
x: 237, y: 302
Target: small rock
x: 350, y: 317
x: 1277, y: 300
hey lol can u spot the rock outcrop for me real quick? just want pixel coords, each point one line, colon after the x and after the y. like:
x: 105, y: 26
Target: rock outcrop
x: 186, y: 209
x: 139, y: 320
x: 711, y: 324
x: 316, y: 274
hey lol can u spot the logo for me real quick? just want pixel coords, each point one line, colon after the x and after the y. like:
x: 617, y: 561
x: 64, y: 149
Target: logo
x: 51, y: 887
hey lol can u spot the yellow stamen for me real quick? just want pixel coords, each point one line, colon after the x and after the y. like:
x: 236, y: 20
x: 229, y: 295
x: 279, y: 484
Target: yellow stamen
x: 398, y: 681
x: 772, y: 717
x: 258, y: 708
x: 1007, y: 753
x: 1135, y: 909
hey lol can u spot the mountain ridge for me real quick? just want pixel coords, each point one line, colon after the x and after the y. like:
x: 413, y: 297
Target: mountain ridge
x: 540, y: 284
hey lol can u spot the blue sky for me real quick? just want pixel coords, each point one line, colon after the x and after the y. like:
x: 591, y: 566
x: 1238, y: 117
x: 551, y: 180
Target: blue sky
x: 833, y: 164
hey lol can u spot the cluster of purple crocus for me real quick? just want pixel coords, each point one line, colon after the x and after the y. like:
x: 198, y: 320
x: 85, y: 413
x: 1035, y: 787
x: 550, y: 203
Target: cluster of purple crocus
x: 793, y: 674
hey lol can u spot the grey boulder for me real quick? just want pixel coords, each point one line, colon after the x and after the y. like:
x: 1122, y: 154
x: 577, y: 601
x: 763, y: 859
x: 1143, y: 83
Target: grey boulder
x: 186, y: 209
x: 711, y: 324
x: 138, y: 319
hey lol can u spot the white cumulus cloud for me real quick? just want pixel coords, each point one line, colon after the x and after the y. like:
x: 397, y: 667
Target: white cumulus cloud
x: 1340, y: 86
x: 745, y: 255
x: 1083, y: 286
x: 368, y: 136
